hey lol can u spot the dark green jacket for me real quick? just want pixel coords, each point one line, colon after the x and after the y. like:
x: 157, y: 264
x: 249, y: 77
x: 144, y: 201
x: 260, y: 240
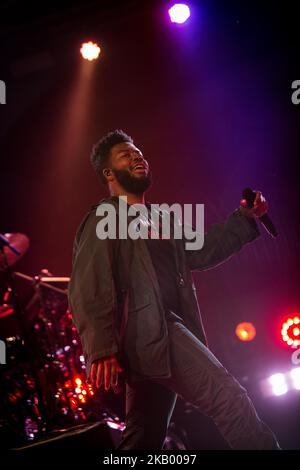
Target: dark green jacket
x: 115, y: 298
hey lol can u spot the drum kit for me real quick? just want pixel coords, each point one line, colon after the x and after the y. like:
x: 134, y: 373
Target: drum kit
x: 43, y: 385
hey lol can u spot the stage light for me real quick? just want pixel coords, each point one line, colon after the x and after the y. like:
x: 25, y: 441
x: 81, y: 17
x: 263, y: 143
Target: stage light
x: 68, y: 384
x: 278, y: 383
x: 281, y: 383
x: 179, y: 13
x: 290, y: 331
x: 295, y: 376
x: 90, y: 50
x: 245, y: 331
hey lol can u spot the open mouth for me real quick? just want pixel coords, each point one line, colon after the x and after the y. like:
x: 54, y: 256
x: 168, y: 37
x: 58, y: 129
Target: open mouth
x: 139, y: 168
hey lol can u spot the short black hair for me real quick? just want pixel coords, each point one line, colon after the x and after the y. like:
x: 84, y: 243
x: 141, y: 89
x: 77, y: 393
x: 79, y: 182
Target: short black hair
x: 101, y: 151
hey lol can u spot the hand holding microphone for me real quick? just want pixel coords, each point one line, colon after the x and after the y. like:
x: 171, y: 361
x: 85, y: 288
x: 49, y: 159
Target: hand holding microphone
x: 253, y: 204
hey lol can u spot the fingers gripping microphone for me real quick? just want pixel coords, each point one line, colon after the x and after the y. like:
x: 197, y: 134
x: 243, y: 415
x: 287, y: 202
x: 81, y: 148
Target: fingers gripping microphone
x: 249, y: 196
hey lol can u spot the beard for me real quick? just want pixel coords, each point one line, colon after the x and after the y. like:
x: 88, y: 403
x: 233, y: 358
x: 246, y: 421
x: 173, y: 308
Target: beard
x: 133, y: 184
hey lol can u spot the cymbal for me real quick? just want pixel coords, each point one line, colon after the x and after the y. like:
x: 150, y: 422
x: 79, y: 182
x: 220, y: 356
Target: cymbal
x: 20, y: 241
x: 6, y: 310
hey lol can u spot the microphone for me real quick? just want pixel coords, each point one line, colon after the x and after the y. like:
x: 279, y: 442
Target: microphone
x: 249, y: 197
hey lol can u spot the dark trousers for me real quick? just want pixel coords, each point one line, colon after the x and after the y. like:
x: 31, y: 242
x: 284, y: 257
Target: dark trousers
x: 199, y: 378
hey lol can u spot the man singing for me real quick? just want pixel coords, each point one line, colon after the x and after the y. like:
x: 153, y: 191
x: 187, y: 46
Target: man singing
x: 134, y: 304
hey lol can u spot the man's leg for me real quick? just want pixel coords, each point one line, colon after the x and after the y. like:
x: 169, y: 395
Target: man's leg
x: 149, y: 407
x: 201, y: 380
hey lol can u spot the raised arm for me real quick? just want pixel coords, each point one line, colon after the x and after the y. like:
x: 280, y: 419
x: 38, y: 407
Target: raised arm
x: 222, y: 241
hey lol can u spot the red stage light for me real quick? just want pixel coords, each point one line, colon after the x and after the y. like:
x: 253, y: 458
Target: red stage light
x: 78, y: 392
x: 290, y: 331
x: 68, y: 384
x: 245, y: 331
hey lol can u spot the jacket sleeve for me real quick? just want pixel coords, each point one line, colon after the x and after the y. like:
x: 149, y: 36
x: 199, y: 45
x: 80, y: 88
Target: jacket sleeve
x: 92, y: 296
x: 222, y: 241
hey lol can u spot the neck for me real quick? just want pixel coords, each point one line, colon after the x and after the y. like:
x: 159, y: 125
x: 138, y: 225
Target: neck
x: 131, y: 198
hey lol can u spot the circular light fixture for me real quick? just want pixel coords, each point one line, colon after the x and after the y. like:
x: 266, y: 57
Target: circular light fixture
x: 245, y: 331
x: 290, y: 331
x: 90, y: 51
x: 179, y: 13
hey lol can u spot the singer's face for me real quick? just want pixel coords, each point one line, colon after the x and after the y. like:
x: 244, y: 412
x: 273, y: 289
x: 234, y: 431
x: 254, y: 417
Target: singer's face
x: 129, y: 168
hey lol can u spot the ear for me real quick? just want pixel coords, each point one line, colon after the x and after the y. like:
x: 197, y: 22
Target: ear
x: 107, y: 174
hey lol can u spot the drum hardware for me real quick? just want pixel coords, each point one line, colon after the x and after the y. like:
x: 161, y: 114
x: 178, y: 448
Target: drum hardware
x: 43, y: 383
x: 13, y: 246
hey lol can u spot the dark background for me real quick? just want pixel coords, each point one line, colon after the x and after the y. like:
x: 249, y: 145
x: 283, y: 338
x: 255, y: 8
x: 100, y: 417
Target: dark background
x: 209, y: 104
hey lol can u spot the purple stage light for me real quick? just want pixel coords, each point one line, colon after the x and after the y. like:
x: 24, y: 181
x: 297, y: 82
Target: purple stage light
x: 179, y: 13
